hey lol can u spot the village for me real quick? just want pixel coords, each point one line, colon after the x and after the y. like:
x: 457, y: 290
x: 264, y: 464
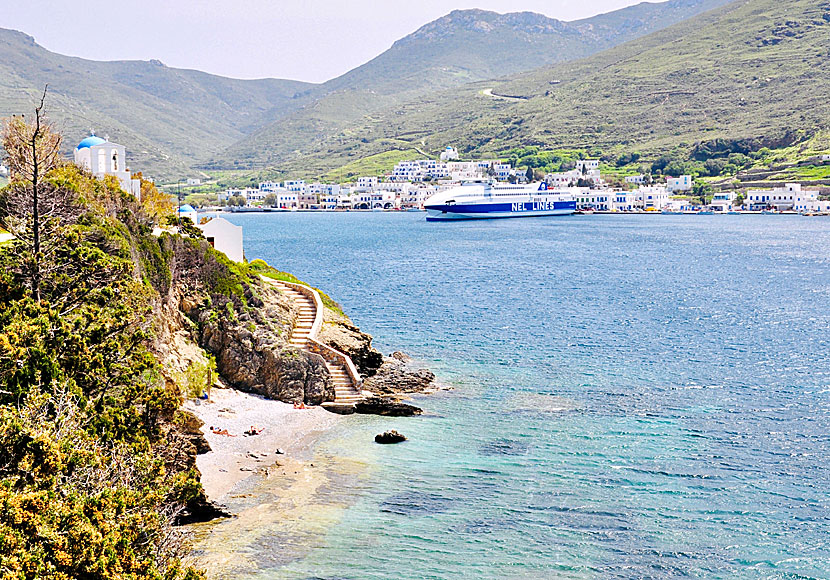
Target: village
x: 411, y: 183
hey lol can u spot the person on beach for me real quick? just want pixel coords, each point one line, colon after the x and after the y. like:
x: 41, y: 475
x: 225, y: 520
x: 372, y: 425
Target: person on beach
x: 254, y: 431
x: 218, y: 431
x: 299, y: 405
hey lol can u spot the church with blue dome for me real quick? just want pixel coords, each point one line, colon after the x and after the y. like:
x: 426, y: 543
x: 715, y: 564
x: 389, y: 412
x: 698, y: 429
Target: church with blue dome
x: 101, y: 157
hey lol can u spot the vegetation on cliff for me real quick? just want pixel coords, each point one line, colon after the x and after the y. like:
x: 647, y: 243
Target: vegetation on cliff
x: 91, y: 473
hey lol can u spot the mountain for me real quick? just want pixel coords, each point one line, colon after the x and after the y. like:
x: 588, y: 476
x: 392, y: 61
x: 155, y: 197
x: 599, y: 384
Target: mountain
x: 753, y: 69
x: 173, y: 120
x: 168, y: 118
x: 464, y: 46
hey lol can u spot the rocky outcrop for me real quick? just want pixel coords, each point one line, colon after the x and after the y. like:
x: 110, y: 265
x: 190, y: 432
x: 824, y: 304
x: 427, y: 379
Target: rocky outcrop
x: 250, y: 343
x: 200, y: 509
x: 397, y: 376
x: 387, y: 407
x: 389, y: 437
x: 341, y: 334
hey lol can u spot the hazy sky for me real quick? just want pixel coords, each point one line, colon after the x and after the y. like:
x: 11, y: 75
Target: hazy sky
x: 311, y: 40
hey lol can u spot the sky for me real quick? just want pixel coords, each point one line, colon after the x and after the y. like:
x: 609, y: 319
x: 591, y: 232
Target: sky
x: 309, y: 40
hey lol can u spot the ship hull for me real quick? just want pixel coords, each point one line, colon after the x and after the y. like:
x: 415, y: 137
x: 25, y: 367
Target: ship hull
x: 479, y: 211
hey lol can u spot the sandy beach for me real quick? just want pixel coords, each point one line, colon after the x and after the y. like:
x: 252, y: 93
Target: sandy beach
x: 282, y: 503
x: 236, y: 457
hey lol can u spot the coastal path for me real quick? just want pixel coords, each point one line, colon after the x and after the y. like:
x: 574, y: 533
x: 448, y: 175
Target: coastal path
x: 343, y: 372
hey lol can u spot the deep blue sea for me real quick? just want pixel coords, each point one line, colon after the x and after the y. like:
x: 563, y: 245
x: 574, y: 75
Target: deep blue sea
x: 633, y: 396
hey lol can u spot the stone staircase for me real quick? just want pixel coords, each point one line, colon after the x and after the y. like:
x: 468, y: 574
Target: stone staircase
x: 309, y: 321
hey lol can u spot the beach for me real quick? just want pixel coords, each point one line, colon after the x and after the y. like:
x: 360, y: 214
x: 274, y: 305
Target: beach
x: 281, y: 503
x: 236, y: 457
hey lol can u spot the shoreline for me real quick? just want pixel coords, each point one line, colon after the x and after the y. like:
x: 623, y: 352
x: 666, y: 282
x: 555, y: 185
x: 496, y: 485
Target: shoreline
x: 233, y: 459
x: 281, y: 505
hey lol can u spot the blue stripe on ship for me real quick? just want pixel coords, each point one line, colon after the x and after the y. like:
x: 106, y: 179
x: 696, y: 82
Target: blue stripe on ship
x: 518, y: 207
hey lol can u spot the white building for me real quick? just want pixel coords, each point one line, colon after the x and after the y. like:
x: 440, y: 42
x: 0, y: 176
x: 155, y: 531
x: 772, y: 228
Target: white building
x: 187, y: 212
x: 249, y: 194
x: 367, y: 183
x: 825, y: 157
x: 788, y: 198
x: 384, y: 200
x: 597, y: 199
x: 723, y: 201
x: 652, y: 198
x: 502, y: 171
x: 194, y: 181
x: 449, y: 154
x: 625, y: 201
x: 225, y: 237
x: 101, y: 157
x: 270, y: 186
x: 287, y: 199
x: 585, y: 165
x: 572, y: 177
x: 416, y: 197
x: 682, y: 183
x: 407, y: 171
x: 636, y: 179
x: 4, y: 170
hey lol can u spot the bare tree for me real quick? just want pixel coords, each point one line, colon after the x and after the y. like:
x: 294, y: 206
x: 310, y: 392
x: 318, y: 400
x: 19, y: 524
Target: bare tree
x: 32, y: 208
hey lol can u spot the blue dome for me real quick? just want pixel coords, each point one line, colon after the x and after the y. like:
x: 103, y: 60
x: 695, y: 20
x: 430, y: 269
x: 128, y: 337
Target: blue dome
x: 90, y: 141
x: 186, y: 209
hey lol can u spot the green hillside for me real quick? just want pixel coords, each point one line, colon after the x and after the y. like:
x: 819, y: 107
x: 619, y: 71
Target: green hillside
x: 464, y: 46
x: 168, y: 118
x: 753, y: 70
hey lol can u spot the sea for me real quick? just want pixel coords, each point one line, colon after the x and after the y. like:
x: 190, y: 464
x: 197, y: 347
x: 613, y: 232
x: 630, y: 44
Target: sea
x: 623, y: 396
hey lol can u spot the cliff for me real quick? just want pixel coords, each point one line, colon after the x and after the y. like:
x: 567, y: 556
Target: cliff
x: 104, y: 333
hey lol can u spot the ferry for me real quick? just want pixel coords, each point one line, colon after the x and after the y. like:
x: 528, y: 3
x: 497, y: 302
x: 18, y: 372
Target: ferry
x: 483, y: 199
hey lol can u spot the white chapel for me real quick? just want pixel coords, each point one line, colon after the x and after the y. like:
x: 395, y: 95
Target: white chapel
x: 104, y: 158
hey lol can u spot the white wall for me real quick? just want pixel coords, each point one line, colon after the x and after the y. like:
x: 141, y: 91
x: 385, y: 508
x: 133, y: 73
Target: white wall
x: 225, y: 237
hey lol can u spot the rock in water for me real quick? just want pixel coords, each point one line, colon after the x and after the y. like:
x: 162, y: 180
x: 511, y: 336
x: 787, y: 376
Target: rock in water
x: 389, y: 437
x: 396, y: 376
x: 387, y: 407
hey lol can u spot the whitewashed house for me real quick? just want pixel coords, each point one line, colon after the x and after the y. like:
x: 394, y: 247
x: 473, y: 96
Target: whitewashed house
x: 654, y: 197
x: 723, y: 201
x: 101, y: 157
x: 4, y: 171
x: 224, y: 237
x: 791, y: 197
x: 586, y: 165
x: 636, y: 179
x: 367, y: 183
x: 193, y: 181
x: 682, y: 183
x: 625, y: 201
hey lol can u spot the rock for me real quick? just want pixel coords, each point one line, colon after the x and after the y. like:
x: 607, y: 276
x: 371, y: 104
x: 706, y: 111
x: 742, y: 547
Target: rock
x: 396, y: 376
x: 279, y: 452
x: 341, y: 334
x: 199, y: 510
x: 389, y: 437
x: 339, y: 409
x: 250, y: 344
x: 386, y: 407
x: 191, y: 426
x: 400, y: 356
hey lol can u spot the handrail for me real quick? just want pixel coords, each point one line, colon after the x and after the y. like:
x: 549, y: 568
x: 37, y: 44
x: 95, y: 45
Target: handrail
x: 343, y: 358
x: 318, y: 305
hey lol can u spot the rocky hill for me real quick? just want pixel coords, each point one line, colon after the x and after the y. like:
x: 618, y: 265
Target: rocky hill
x: 753, y: 69
x: 169, y: 119
x: 463, y: 47
x: 174, y: 121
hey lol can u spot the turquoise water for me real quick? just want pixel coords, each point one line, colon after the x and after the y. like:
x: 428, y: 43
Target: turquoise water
x: 633, y: 396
